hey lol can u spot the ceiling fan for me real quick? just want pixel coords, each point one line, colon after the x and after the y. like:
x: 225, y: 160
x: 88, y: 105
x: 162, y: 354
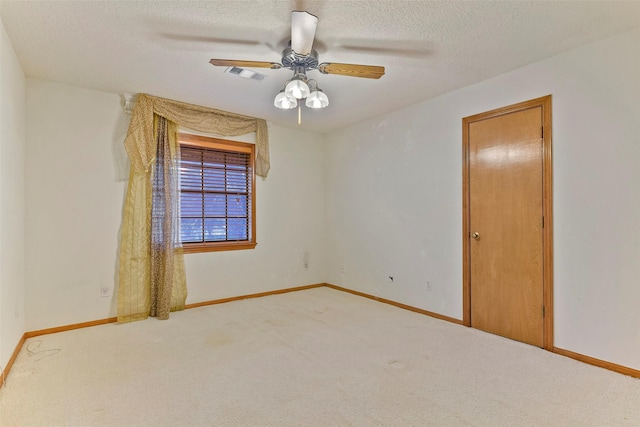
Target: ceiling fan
x: 300, y: 57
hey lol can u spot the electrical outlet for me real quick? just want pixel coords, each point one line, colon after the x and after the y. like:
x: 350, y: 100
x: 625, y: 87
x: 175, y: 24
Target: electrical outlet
x: 429, y: 288
x: 105, y: 291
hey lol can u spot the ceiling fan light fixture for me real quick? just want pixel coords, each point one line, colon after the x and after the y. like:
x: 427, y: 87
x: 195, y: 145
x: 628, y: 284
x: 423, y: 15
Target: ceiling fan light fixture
x: 284, y: 102
x: 297, y: 88
x: 317, y: 99
x: 299, y: 56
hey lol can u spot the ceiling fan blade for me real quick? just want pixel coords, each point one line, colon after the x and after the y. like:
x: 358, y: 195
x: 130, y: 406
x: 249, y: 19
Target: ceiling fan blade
x: 247, y: 64
x: 209, y: 40
x: 303, y: 31
x: 392, y: 51
x: 353, y: 70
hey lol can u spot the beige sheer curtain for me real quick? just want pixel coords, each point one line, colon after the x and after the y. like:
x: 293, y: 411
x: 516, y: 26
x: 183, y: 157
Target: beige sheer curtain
x: 151, y: 262
x: 168, y: 287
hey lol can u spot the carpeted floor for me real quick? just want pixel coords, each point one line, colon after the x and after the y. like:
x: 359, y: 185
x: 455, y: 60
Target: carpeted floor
x: 318, y: 357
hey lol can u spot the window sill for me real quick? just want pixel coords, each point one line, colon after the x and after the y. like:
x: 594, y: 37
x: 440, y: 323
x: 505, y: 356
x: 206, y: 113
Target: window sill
x: 215, y: 247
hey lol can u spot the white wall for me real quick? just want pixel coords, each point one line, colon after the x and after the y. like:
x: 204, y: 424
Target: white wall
x: 12, y: 199
x: 394, y: 196
x: 74, y: 203
x: 76, y: 168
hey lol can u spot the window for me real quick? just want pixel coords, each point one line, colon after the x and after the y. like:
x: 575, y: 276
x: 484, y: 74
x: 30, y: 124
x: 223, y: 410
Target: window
x: 217, y: 197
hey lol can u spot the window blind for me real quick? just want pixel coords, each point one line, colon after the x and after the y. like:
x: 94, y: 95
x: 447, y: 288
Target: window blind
x: 215, y: 195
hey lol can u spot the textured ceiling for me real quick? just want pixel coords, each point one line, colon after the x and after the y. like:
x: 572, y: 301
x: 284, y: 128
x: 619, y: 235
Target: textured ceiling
x: 428, y: 47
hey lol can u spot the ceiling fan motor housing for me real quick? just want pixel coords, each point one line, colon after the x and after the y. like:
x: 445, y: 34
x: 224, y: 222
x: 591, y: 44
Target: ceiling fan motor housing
x: 292, y: 60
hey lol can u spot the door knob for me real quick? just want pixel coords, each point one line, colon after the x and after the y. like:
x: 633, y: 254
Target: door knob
x: 476, y: 235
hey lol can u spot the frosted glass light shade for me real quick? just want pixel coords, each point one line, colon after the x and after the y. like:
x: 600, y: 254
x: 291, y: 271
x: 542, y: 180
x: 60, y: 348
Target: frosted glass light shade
x: 285, y: 102
x: 297, y: 88
x: 317, y: 99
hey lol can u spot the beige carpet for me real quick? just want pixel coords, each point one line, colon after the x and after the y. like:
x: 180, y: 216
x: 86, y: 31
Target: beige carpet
x: 318, y: 357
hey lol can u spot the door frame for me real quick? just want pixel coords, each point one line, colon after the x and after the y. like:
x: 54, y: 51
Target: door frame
x: 547, y: 209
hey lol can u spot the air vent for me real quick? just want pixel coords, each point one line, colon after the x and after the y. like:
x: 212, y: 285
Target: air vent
x: 243, y: 72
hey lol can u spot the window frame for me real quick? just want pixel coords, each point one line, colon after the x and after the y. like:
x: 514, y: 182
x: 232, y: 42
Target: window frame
x: 207, y: 142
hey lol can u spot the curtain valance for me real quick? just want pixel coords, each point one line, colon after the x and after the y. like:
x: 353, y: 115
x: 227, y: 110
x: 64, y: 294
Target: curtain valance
x: 140, y: 144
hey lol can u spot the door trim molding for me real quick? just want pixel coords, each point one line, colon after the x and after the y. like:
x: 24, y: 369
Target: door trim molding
x: 547, y: 208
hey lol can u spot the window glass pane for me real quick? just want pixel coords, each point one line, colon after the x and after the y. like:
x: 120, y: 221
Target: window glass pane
x: 238, y: 229
x: 190, y: 178
x: 190, y: 204
x: 190, y: 156
x: 213, y: 158
x: 191, y: 230
x: 236, y: 181
x: 214, y: 205
x: 237, y: 161
x: 214, y: 179
x: 190, y: 169
x: 215, y: 229
x: 237, y: 205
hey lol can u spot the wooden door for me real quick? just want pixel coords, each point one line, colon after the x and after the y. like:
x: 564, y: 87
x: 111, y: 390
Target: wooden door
x: 505, y: 224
